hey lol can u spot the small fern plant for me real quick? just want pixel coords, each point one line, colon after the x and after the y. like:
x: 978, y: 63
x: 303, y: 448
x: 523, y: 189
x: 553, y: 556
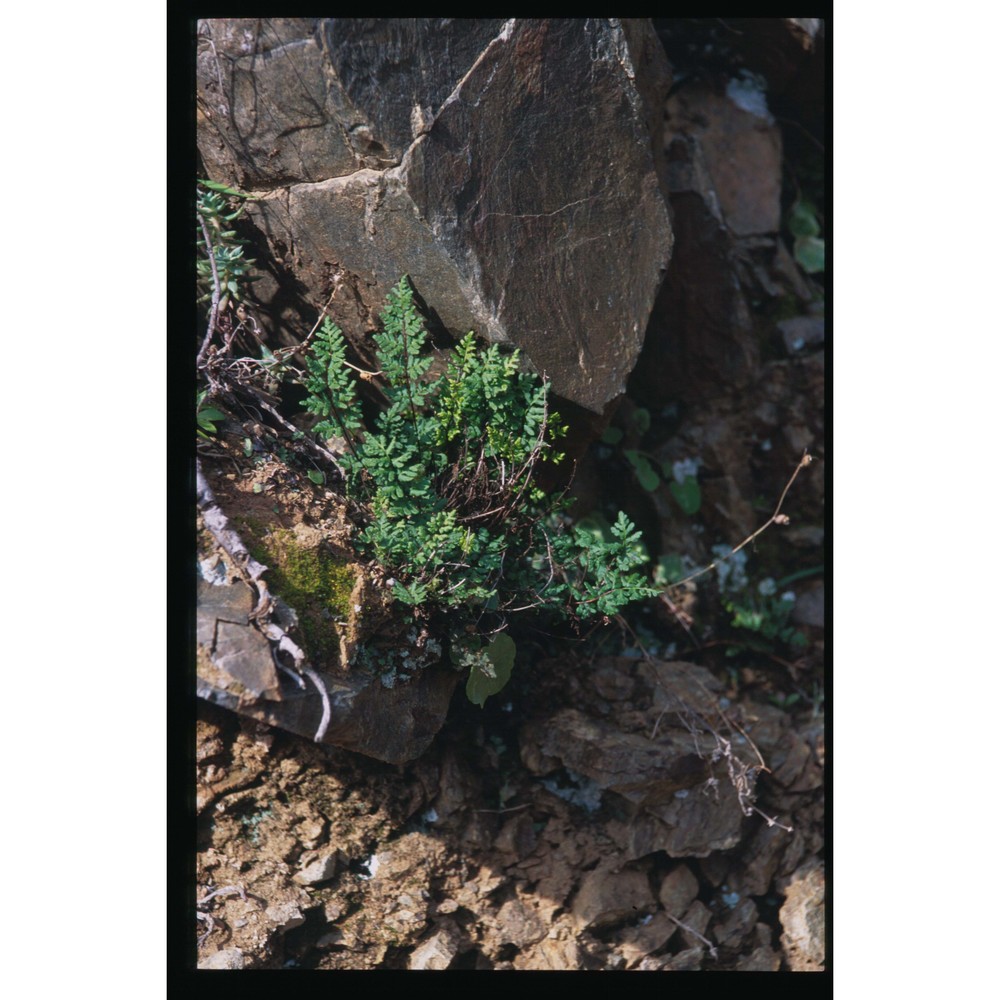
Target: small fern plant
x: 446, y: 476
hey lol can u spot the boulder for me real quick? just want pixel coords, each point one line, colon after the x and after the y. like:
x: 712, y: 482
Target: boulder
x: 504, y: 165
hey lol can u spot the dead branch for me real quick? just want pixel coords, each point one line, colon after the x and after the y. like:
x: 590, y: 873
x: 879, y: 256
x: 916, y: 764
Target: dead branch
x: 701, y: 937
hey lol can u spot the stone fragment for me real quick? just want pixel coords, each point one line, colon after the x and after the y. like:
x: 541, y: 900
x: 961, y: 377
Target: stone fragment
x: 285, y: 916
x: 761, y: 959
x: 236, y: 648
x: 678, y: 890
x: 607, y: 896
x: 319, y: 869
x: 635, y: 767
x: 759, y: 858
x: 360, y: 708
x: 694, y: 921
x: 227, y: 958
x: 637, y: 942
x: 518, y: 924
x: 561, y: 954
x: 802, y: 333
x: 741, y: 145
x: 738, y: 924
x: 803, y: 920
x: 438, y: 951
x: 688, y: 960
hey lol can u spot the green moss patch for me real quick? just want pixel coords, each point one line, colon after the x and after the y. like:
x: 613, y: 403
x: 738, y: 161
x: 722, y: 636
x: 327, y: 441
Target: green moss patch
x: 312, y: 579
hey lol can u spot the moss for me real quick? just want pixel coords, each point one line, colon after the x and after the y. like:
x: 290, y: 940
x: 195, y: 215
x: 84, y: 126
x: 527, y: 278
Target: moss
x: 311, y: 578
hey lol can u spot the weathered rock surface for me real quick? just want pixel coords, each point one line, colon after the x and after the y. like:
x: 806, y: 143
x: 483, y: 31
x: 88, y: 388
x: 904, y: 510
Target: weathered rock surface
x: 803, y: 917
x: 227, y: 958
x: 608, y: 896
x: 361, y: 710
x: 506, y: 166
x: 673, y: 787
x: 438, y: 951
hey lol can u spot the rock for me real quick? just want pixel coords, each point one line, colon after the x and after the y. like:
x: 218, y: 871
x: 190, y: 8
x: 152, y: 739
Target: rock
x: 557, y: 953
x: 455, y: 151
x: 759, y: 859
x: 678, y: 890
x: 802, y: 333
x: 227, y: 958
x: 237, y: 650
x: 517, y: 836
x: 803, y: 919
x: 518, y: 924
x: 790, y: 53
x: 648, y: 936
x: 285, y: 916
x: 236, y: 667
x: 688, y: 960
x: 360, y: 710
x: 761, y: 959
x: 695, y: 920
x: 608, y: 896
x: 675, y: 799
x: 439, y: 950
x: 810, y: 606
x: 741, y: 146
x: 737, y: 925
x: 320, y: 869
x: 637, y: 768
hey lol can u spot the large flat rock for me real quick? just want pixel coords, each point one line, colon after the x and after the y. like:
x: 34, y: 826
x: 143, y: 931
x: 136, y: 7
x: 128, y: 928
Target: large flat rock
x: 505, y: 166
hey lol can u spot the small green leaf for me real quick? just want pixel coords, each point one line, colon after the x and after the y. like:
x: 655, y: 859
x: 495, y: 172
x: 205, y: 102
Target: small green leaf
x: 802, y: 220
x: 612, y: 435
x: 687, y: 494
x: 316, y: 476
x: 247, y: 447
x: 210, y: 413
x: 810, y: 252
x: 216, y: 186
x: 491, y: 670
x: 648, y: 479
x: 640, y: 420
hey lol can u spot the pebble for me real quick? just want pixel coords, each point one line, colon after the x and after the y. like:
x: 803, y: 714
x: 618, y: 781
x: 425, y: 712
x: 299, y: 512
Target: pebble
x: 228, y: 958
x: 319, y: 870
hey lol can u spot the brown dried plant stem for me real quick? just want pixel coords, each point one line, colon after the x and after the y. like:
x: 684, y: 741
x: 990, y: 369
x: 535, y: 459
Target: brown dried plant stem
x: 776, y: 518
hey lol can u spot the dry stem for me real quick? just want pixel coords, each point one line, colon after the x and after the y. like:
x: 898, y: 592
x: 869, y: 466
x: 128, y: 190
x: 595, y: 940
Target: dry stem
x: 776, y: 518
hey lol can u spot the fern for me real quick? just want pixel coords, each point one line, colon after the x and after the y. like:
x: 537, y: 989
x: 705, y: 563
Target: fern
x: 446, y: 477
x: 332, y: 390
